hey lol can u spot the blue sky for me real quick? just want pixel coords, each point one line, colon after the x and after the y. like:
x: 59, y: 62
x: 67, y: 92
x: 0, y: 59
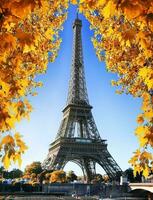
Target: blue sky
x: 115, y: 115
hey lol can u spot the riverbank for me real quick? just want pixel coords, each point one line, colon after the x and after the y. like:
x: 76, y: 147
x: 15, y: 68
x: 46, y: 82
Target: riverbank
x: 48, y: 197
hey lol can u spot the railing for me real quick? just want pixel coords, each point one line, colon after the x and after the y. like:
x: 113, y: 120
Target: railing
x: 78, y: 139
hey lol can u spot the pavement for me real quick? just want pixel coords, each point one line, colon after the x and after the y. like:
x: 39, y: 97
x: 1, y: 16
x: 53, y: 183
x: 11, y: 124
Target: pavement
x: 11, y: 197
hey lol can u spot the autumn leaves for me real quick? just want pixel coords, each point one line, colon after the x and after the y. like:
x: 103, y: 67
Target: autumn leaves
x: 122, y: 29
x: 13, y: 148
x: 28, y: 31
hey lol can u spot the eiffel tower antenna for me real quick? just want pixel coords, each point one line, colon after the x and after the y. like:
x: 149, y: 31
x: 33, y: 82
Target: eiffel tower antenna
x: 77, y: 17
x: 78, y: 139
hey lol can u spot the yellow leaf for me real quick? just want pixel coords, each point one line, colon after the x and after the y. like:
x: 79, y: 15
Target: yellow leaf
x: 18, y: 158
x: 74, y: 2
x: 109, y: 9
x: 4, y: 88
x: 8, y: 42
x: 146, y: 172
x: 140, y: 119
x: 34, y: 94
x: 6, y: 161
x: 113, y: 83
x: 146, y: 72
x: 148, y: 114
x: 28, y: 48
x: 21, y: 145
x: 143, y: 141
x: 146, y: 155
x: 140, y: 130
x: 22, y: 8
x: 7, y: 139
x: 132, y: 9
x: 49, y: 33
x: 17, y: 136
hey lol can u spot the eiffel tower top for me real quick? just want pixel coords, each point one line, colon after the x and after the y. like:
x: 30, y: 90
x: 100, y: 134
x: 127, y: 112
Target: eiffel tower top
x: 77, y: 93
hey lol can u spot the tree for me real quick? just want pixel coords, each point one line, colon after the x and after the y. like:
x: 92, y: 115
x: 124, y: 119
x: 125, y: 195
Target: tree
x: 130, y: 176
x: 33, y: 169
x: 105, y: 178
x: 15, y: 173
x: 28, y: 40
x: 2, y: 169
x: 71, y: 176
x: 97, y: 178
x: 44, y: 175
x: 58, y: 176
x: 123, y: 37
x: 47, y: 177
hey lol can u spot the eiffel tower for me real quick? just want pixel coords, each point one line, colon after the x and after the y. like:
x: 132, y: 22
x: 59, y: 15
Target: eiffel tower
x: 78, y: 139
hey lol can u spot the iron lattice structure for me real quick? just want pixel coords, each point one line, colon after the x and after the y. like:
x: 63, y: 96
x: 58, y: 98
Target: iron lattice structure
x: 78, y: 139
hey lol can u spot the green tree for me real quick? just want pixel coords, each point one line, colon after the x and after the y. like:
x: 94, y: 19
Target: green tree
x: 71, y: 176
x: 130, y: 176
x: 1, y: 171
x: 33, y: 168
x: 15, y: 173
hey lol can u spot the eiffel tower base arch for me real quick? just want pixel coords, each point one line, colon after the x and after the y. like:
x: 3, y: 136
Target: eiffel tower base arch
x: 85, y: 153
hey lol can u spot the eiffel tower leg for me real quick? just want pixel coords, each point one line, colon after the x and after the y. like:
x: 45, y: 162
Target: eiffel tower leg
x: 89, y: 168
x: 106, y: 161
x: 84, y: 173
x: 58, y: 163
